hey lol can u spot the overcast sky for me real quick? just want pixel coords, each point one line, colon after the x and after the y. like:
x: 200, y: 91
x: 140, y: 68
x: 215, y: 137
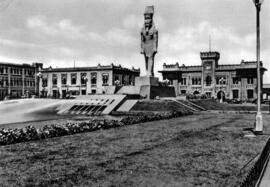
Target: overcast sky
x: 57, y: 32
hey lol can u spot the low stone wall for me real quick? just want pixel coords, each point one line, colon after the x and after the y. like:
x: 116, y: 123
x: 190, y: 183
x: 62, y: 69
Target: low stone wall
x: 29, y: 133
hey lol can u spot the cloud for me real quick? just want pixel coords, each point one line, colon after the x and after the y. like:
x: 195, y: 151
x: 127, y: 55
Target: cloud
x: 117, y: 36
x: 87, y: 31
x: 133, y: 21
x: 14, y: 43
x: 196, y: 39
x: 136, y: 21
x: 39, y: 23
x: 63, y: 27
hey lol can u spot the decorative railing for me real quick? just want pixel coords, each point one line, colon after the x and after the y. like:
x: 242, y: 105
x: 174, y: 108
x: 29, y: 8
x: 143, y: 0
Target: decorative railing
x: 183, y: 87
x: 196, y: 86
x: 256, y: 172
x: 250, y: 86
x: 235, y: 86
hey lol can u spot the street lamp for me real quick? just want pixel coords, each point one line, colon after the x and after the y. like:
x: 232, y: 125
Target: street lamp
x: 259, y: 123
x: 39, y: 76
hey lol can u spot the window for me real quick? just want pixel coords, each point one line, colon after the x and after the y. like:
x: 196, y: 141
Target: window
x: 221, y: 80
x: 73, y: 78
x: 44, y: 81
x: 116, y: 80
x: 170, y: 82
x: 1, y: 70
x: 130, y: 80
x: 250, y: 94
x: 196, y: 81
x: 250, y: 80
x: 83, y: 78
x: 236, y: 80
x: 93, y: 91
x: 64, y: 79
x: 235, y: 94
x: 208, y: 94
x: 83, y: 92
x: 105, y: 78
x: 208, y: 81
x: 183, y: 81
x: 94, y: 78
x: 12, y: 82
x: 54, y: 79
x: 123, y: 80
x: 27, y: 82
x: 28, y: 72
x: 4, y: 81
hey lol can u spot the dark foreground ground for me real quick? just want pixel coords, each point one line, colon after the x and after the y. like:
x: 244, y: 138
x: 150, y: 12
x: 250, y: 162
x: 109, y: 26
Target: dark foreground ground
x: 204, y: 149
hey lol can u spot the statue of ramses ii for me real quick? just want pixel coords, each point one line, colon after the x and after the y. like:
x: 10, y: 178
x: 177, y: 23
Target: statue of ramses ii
x: 149, y: 40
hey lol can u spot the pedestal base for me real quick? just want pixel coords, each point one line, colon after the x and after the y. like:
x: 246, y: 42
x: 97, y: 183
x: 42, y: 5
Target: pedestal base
x: 146, y: 81
x: 259, y: 124
x: 148, y: 88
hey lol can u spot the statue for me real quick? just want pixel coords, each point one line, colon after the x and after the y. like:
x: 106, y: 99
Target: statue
x: 149, y: 40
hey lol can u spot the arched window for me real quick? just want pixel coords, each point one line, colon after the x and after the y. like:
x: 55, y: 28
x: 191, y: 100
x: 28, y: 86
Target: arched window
x: 208, y: 81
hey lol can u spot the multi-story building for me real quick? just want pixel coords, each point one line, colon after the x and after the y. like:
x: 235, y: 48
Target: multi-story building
x: 17, y: 80
x: 231, y: 81
x: 63, y: 82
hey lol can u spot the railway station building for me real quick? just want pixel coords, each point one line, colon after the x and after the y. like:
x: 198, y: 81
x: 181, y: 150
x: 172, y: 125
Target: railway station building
x: 214, y: 80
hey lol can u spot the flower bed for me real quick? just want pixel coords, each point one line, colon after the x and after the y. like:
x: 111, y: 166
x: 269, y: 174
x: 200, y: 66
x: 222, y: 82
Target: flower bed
x: 10, y: 136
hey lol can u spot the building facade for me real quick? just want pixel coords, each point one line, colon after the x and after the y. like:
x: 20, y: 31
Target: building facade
x: 17, y: 80
x: 232, y: 81
x: 65, y: 82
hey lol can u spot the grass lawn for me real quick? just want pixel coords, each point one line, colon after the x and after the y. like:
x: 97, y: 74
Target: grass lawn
x: 159, y: 105
x: 210, y: 104
x: 200, y: 150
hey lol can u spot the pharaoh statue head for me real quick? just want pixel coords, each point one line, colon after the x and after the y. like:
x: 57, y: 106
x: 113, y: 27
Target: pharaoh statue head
x: 148, y: 16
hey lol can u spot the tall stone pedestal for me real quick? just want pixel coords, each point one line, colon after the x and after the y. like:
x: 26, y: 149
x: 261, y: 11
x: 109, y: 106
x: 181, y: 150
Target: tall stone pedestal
x: 148, y: 88
x: 146, y: 81
x: 146, y: 84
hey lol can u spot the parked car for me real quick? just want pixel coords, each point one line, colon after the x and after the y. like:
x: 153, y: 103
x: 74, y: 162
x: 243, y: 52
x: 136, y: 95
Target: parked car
x: 234, y: 101
x: 263, y: 101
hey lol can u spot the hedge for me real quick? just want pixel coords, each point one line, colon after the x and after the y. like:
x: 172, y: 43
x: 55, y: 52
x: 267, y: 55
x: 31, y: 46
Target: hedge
x: 10, y: 136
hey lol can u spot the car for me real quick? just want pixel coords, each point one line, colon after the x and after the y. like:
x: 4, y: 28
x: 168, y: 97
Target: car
x: 234, y: 101
x: 263, y: 101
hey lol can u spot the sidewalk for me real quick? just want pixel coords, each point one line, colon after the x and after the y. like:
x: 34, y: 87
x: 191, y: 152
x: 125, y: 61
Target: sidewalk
x: 265, y: 181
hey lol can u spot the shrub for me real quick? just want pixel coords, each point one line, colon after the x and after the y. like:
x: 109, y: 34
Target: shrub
x: 9, y: 136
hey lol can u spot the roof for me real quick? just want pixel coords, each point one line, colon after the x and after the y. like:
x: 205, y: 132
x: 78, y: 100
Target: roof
x: 93, y: 68
x: 15, y: 64
x: 223, y: 67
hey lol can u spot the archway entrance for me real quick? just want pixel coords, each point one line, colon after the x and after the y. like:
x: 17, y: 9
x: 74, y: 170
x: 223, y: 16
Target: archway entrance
x: 196, y: 92
x: 221, y: 96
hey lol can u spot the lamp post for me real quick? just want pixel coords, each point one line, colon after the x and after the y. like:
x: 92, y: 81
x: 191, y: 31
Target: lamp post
x: 39, y: 76
x: 259, y: 123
